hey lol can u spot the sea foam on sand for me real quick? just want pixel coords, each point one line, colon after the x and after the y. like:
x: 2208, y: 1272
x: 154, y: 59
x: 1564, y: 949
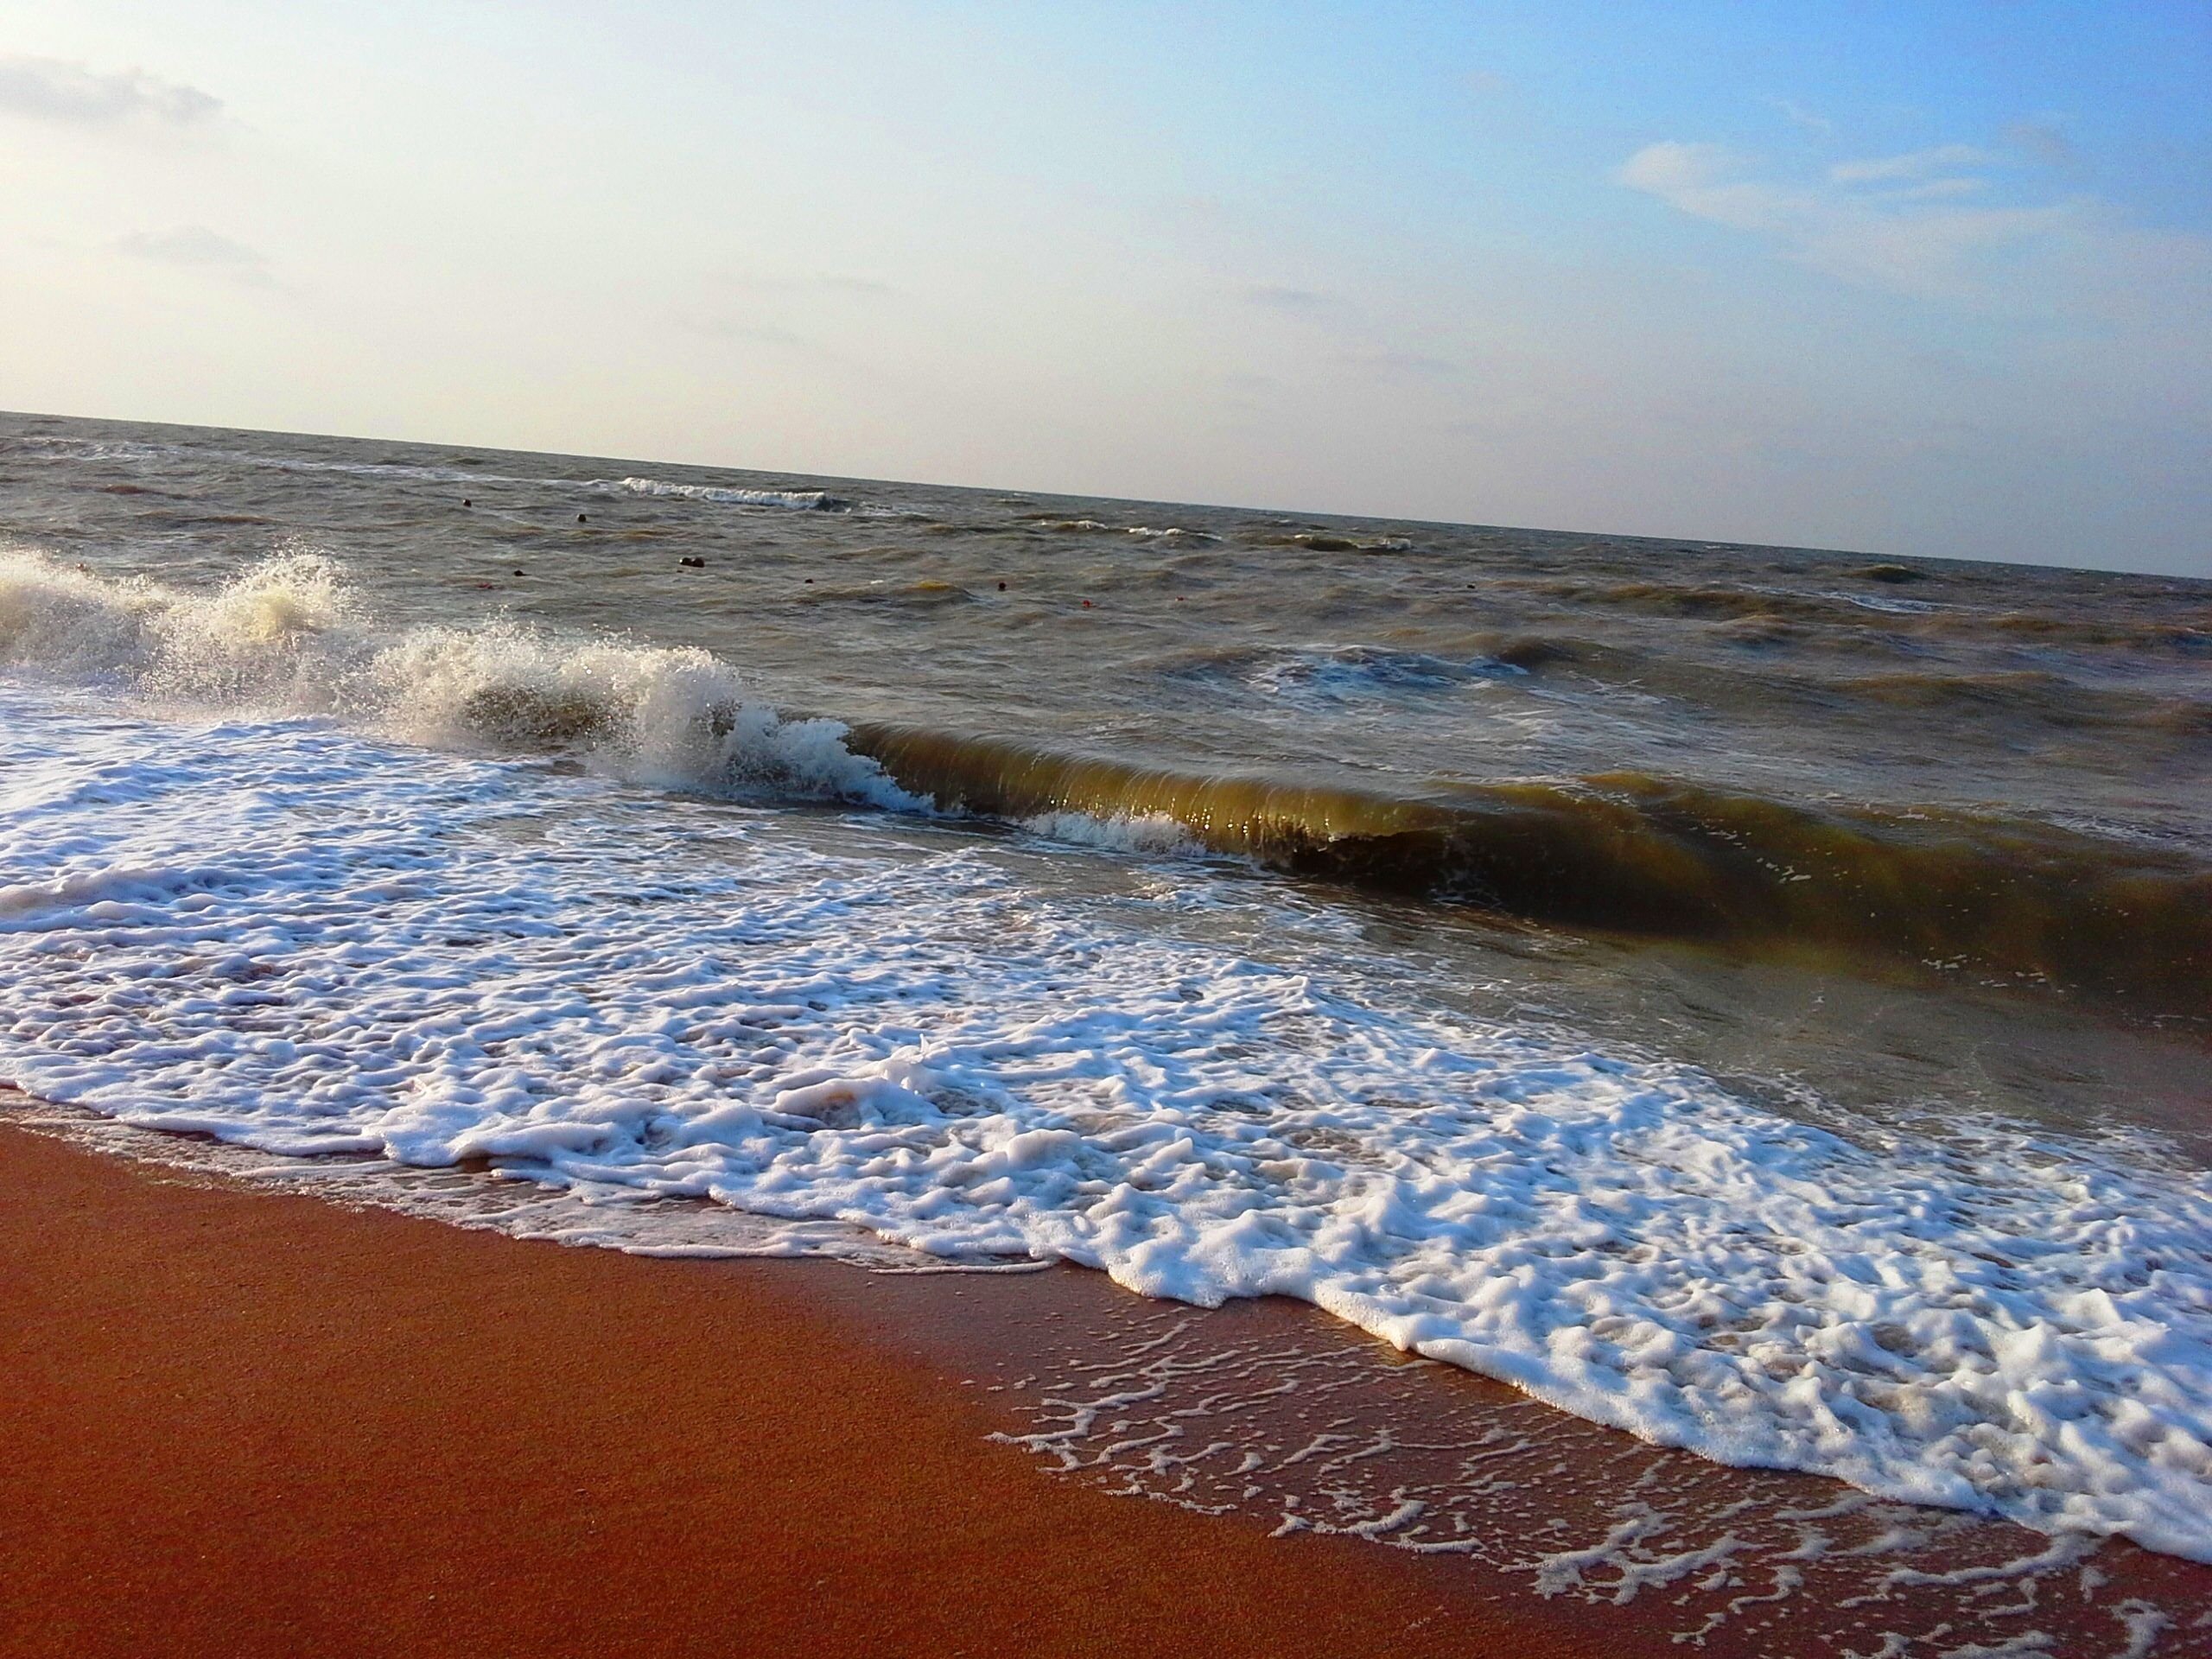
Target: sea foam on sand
x: 290, y: 935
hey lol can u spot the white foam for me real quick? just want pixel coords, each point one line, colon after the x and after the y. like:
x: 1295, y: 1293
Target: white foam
x: 1317, y: 674
x: 1173, y: 534
x: 288, y: 636
x: 1142, y: 833
x: 1883, y: 602
x: 293, y: 936
x: 803, y: 500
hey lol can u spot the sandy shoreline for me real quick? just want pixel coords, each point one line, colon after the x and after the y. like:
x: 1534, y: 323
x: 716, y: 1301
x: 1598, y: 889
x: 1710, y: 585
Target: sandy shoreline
x: 246, y: 1423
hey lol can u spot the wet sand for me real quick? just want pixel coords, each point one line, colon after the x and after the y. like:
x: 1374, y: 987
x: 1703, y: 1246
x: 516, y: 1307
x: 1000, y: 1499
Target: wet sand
x: 250, y: 1421
x: 244, y: 1423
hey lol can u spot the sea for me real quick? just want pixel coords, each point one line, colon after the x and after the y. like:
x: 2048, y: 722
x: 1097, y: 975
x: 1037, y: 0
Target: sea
x: 1754, y: 998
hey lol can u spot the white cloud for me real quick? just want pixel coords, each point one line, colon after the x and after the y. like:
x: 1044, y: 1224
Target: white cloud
x: 1918, y: 240
x: 49, y: 89
x: 766, y: 333
x: 197, y: 245
x: 1694, y: 178
x: 1938, y: 190
x: 1917, y: 164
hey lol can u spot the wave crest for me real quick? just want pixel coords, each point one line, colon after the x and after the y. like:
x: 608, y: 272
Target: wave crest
x: 291, y: 637
x: 1628, y: 853
x: 804, y: 500
x: 2020, y: 902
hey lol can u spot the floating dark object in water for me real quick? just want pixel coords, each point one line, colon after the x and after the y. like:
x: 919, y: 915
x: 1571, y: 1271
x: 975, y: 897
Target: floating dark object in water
x: 1892, y: 573
x: 466, y: 502
x: 1002, y: 587
x: 692, y: 561
x: 580, y: 519
x: 518, y: 571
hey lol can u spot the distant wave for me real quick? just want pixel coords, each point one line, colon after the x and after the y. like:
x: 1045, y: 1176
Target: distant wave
x: 1166, y: 534
x: 727, y: 495
x: 803, y: 500
x: 1322, y: 541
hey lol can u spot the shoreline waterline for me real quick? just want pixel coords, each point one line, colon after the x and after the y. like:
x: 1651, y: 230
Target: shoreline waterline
x: 1506, y: 1517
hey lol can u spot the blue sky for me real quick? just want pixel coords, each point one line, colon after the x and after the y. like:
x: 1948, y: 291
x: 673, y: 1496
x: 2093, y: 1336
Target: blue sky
x: 1911, y: 279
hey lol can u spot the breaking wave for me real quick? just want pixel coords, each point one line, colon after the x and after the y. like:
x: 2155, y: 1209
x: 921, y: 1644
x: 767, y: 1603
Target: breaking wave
x: 2020, y: 901
x: 803, y: 500
x: 1632, y: 852
x: 289, y: 636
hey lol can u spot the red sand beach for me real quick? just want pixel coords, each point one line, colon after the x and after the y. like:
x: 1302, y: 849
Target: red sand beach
x: 243, y: 1421
x: 247, y: 1423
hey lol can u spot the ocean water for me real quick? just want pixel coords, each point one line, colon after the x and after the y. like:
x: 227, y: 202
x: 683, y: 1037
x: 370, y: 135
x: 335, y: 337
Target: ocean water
x: 1755, y: 999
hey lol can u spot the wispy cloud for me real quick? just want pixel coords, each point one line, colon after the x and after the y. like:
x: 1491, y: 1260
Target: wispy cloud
x: 794, y: 312
x: 1798, y: 115
x: 735, y: 326
x: 1938, y: 190
x: 1276, y: 297
x: 1916, y: 241
x: 1916, y: 164
x: 196, y: 245
x: 51, y: 89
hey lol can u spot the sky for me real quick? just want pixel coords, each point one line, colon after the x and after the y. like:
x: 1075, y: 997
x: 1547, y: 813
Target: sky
x: 1924, y: 279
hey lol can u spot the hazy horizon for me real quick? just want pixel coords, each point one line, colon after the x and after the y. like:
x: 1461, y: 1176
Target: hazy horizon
x: 811, y: 475
x: 1924, y: 281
